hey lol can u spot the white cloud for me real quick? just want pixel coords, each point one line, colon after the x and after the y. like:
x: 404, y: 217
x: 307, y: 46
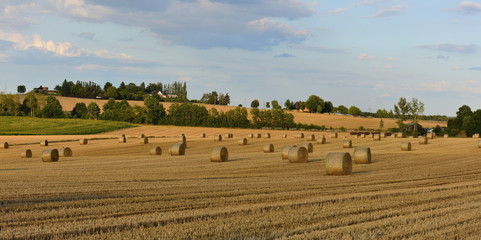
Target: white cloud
x: 79, y: 9
x: 469, y: 86
x: 449, y: 47
x: 92, y: 67
x: 388, y: 12
x: 388, y: 67
x: 391, y: 59
x: 469, y: 8
x: 336, y: 11
x: 365, y: 56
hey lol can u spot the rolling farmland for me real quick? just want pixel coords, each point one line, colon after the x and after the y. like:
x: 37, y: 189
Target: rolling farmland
x: 117, y: 190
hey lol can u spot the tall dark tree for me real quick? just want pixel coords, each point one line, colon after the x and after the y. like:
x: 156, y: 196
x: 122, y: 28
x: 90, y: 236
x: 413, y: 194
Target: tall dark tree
x: 21, y: 89
x: 52, y: 109
x: 255, y: 103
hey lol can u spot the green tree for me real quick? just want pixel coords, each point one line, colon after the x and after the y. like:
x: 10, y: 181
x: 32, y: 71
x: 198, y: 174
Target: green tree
x: 381, y: 124
x: 275, y: 104
x: 342, y: 109
x: 288, y: 104
x: 401, y: 110
x: 416, y: 108
x: 328, y: 107
x: 255, y: 103
x: 107, y: 85
x: 111, y: 92
x: 80, y: 110
x: 52, y: 109
x: 268, y: 105
x: 21, y: 89
x: 313, y: 103
x: 355, y: 111
x: 94, y: 110
x: 155, y: 110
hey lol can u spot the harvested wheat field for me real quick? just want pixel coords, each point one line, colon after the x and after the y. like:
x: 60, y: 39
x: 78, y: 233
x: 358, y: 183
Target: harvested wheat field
x: 118, y: 190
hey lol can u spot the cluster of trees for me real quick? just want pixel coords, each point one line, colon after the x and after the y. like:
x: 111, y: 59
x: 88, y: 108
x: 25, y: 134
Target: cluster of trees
x: 124, y: 91
x: 466, y: 120
x: 405, y: 110
x: 153, y: 112
x: 215, y: 98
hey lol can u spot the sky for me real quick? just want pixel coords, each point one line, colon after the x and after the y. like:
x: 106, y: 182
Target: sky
x: 366, y: 53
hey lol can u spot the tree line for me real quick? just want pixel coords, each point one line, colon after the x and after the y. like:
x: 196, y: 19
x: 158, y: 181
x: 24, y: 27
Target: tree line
x: 466, y: 120
x: 153, y: 112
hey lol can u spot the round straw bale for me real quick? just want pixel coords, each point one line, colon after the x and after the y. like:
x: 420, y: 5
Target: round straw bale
x: 299, y: 135
x: 423, y: 140
x: 177, y: 149
x: 65, y: 152
x: 267, y: 135
x: 347, y: 144
x: 27, y: 153
x: 405, y: 146
x: 298, y: 154
x: 122, y: 139
x: 362, y: 155
x: 227, y: 135
x: 333, y: 135
x: 309, y: 146
x: 430, y: 135
x: 258, y: 135
x: 284, y: 136
x: 83, y: 141
x: 202, y: 135
x: 362, y: 135
x: 141, y: 136
x: 156, y: 151
x: 285, y: 151
x: 311, y: 137
x: 231, y: 135
x: 339, y: 163
x: 242, y: 141
x: 394, y: 135
x: 400, y: 135
x: 446, y: 136
x: 476, y: 135
x: 479, y: 144
x: 44, y: 143
x: 217, y: 138
x: 376, y: 137
x: 250, y: 135
x: 144, y: 140
x: 321, y: 140
x: 268, y: 148
x: 181, y: 138
x: 383, y: 135
x: 50, y: 155
x: 4, y: 145
x: 219, y: 154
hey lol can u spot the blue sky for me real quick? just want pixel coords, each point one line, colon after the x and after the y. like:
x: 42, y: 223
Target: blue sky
x: 366, y: 53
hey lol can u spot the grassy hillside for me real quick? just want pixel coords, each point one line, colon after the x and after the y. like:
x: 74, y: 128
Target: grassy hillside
x: 42, y: 126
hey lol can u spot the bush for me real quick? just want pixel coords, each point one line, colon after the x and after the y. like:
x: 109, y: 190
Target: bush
x: 53, y: 109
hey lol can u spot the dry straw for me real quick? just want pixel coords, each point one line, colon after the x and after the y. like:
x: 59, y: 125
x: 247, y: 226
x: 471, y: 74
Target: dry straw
x: 400, y: 135
x: 144, y: 140
x: 298, y: 155
x: 479, y: 144
x: 284, y: 136
x: 227, y: 135
x: 383, y: 135
x: 311, y: 137
x: 242, y: 141
x: 122, y: 139
x: 347, y: 144
x: 219, y: 154
x: 267, y: 135
x: 27, y: 153
x: 362, y: 135
x: 321, y: 140
x: 4, y: 145
x: 141, y: 136
x: 156, y: 151
x: 268, y: 148
x: 333, y: 135
x: 376, y: 137
x: 476, y: 135
x: 250, y: 135
x: 202, y: 135
x: 446, y: 136
x: 181, y: 138
x: 83, y: 141
x: 299, y: 135
x: 258, y: 135
x: 423, y: 140
x: 217, y: 138
x: 362, y: 155
x: 430, y: 135
x: 177, y: 149
x: 50, y: 155
x: 65, y: 152
x: 309, y: 146
x: 285, y: 151
x: 44, y: 143
x: 339, y: 163
x: 405, y: 146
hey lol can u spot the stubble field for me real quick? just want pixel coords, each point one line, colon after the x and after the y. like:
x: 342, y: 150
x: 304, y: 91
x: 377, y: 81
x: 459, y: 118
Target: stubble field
x: 118, y: 191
